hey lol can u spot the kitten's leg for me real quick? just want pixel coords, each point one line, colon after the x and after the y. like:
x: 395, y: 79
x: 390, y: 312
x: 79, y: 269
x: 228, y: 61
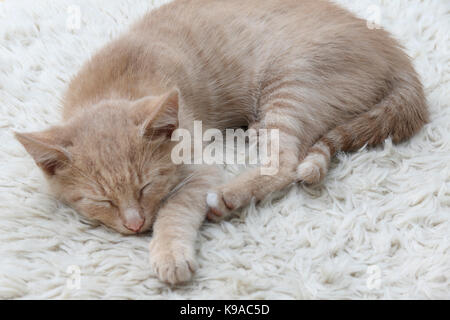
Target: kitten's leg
x: 315, y: 165
x: 237, y: 193
x: 394, y: 116
x: 293, y: 144
x: 172, y: 248
x: 300, y: 115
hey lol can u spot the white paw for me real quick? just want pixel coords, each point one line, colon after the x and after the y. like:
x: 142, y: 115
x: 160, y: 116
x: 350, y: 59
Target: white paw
x: 220, y: 206
x: 217, y: 210
x: 212, y: 199
x: 172, y: 263
x: 309, y: 172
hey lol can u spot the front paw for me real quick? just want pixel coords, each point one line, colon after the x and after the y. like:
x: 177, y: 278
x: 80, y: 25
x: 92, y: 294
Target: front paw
x: 173, y: 263
x: 222, y: 203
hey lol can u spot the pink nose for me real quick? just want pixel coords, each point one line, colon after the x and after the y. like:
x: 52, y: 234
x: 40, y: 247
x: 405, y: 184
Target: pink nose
x: 133, y: 220
x: 135, y: 226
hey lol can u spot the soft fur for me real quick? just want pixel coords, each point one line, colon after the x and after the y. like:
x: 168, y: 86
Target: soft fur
x: 62, y: 152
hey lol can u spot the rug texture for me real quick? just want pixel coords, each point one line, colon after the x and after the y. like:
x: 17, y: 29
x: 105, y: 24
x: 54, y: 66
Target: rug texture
x: 377, y: 227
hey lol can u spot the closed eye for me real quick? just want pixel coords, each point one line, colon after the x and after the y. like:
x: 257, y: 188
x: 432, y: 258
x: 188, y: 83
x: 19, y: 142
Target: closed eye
x: 101, y: 202
x: 144, y: 189
x: 104, y: 203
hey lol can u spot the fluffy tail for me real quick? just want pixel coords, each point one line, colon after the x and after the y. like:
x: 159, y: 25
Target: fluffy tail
x: 399, y: 115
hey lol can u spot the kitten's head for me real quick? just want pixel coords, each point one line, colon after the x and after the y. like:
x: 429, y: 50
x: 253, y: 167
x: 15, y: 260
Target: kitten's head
x: 111, y: 162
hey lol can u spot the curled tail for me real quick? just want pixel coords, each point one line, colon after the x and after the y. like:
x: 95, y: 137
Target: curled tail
x: 399, y: 115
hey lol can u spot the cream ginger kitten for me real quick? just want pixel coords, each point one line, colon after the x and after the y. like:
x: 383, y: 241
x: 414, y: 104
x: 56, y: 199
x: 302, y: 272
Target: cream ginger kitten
x: 307, y: 68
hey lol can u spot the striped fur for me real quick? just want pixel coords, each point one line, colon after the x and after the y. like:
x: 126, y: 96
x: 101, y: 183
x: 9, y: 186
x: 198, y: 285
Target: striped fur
x: 399, y: 116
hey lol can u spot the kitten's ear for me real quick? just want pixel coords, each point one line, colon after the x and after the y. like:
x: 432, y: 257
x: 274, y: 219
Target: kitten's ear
x: 162, y: 117
x: 47, y: 149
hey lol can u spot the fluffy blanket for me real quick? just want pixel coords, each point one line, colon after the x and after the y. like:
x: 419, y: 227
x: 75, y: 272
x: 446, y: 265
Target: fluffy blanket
x: 377, y: 227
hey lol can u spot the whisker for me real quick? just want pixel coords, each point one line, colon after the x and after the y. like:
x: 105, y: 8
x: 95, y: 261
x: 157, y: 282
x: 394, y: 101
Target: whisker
x: 178, y: 187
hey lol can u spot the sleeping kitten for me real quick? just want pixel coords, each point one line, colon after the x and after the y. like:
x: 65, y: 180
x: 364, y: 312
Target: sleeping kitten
x: 308, y: 68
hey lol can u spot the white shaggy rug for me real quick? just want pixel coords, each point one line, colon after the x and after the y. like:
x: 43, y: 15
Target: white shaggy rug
x: 378, y: 227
